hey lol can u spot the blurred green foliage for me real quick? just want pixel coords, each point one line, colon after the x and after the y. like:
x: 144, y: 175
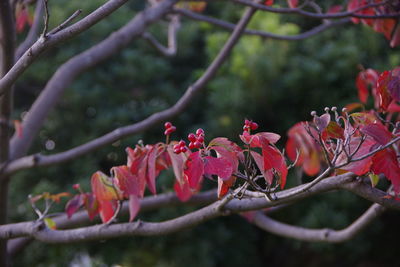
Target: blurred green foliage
x: 276, y: 83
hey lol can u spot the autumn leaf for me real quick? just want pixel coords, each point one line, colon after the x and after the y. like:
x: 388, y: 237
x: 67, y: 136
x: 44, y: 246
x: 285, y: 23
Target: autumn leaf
x: 378, y: 132
x: 194, y: 169
x: 107, y: 210
x: 359, y: 167
x: 134, y: 207
x: 321, y: 122
x: 365, y: 79
x: 104, y: 188
x: 91, y: 205
x: 221, y: 167
x: 182, y: 190
x: 74, y: 204
x: 385, y: 161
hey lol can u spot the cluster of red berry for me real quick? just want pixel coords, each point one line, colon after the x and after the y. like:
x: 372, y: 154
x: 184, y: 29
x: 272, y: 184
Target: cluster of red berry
x: 196, y: 140
x: 180, y: 147
x: 169, y: 128
x: 249, y: 125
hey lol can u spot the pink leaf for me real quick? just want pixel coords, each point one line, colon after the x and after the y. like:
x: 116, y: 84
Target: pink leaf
x: 357, y: 167
x: 107, y: 210
x: 178, y: 162
x: 293, y: 3
x: 134, y: 207
x: 385, y: 162
x: 322, y: 121
x: 378, y: 132
x: 221, y: 167
x: 91, y: 205
x: 74, y: 204
x: 151, y: 170
x: 223, y: 186
x: 194, y: 169
x: 183, y: 191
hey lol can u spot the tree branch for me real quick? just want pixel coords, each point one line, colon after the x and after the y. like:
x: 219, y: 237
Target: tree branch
x: 52, y: 40
x: 230, y: 26
x: 318, y: 235
x: 188, y: 220
x: 33, y: 33
x: 171, y: 50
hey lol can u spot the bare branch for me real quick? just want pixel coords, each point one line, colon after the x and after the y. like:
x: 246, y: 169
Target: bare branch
x: 171, y: 50
x: 318, y: 235
x: 43, y: 44
x: 33, y: 33
x: 230, y: 26
x: 300, y: 11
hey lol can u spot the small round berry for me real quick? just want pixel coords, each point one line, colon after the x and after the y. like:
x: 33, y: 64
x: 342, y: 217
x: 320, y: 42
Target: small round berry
x: 246, y: 128
x: 197, y: 144
x: 177, y: 150
x: 191, y: 145
x: 253, y: 126
x: 192, y: 137
x: 167, y: 125
x: 183, y: 149
x: 76, y: 186
x: 182, y: 143
x: 177, y: 146
x: 247, y: 122
x: 199, y: 131
x: 200, y: 139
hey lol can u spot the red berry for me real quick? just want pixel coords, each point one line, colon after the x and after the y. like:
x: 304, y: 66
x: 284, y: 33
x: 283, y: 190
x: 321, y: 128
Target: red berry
x: 200, y: 139
x: 167, y: 132
x: 167, y: 125
x: 247, y: 122
x: 177, y: 150
x: 197, y: 144
x: 182, y: 143
x: 199, y: 131
x: 170, y: 130
x: 253, y: 126
x: 76, y: 186
x: 192, y: 137
x: 183, y: 149
x: 191, y: 145
x: 177, y: 146
x: 246, y: 128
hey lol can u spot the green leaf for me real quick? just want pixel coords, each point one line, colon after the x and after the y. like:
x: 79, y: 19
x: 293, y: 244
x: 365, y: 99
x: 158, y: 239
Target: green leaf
x: 374, y: 179
x: 50, y: 223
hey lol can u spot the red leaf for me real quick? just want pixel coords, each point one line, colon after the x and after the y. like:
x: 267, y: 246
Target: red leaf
x: 223, y: 186
x: 107, y: 210
x: 333, y: 131
x: 299, y: 140
x: 194, y: 169
x: 127, y: 182
x: 365, y: 79
x: 134, y: 207
x: 394, y: 84
x: 395, y: 41
x: 293, y: 3
x: 267, y: 173
x: 151, y: 170
x: 273, y: 159
x: 385, y: 162
x: 137, y: 163
x: 104, y: 188
x: 178, y: 162
x: 74, y: 204
x: 91, y: 205
x: 385, y: 26
x: 269, y: 2
x: 254, y: 140
x: 22, y: 19
x: 221, y: 167
x: 382, y: 91
x: 183, y: 191
x: 357, y: 167
x: 378, y: 132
